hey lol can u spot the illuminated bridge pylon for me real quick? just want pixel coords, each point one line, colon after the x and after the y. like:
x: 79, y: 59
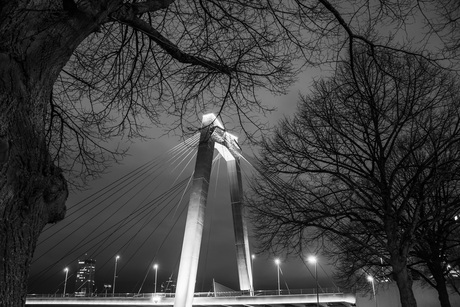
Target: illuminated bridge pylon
x: 213, y: 136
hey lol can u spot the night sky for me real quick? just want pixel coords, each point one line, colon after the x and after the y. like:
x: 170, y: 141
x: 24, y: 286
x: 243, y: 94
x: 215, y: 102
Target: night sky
x: 96, y: 226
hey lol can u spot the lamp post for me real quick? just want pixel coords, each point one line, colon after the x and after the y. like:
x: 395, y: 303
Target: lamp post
x: 155, y: 267
x: 277, y: 261
x: 252, y: 272
x: 107, y: 286
x: 312, y: 259
x: 371, y: 280
x: 66, y: 270
x: 115, y: 275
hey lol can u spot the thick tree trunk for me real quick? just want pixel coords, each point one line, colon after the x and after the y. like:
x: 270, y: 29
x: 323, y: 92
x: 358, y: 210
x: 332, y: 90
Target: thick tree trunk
x: 399, y: 250
x: 441, y: 286
x: 36, y: 40
x: 404, y: 281
x: 443, y: 295
x: 32, y: 194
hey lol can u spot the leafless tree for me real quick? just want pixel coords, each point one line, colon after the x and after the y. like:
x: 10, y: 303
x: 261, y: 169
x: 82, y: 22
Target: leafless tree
x: 441, y: 21
x: 355, y: 160
x: 75, y: 74
x: 435, y: 255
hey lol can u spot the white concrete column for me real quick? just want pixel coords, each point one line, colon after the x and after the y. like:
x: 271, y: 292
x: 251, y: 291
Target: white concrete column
x: 243, y: 256
x: 191, y: 245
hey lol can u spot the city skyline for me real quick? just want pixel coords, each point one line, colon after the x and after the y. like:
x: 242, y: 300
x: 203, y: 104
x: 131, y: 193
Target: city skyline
x: 104, y: 282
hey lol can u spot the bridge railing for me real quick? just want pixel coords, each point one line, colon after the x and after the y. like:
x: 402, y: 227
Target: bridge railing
x: 197, y: 294
x: 274, y: 292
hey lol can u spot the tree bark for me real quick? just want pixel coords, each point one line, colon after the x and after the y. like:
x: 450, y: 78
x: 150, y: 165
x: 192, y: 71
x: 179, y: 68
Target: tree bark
x: 35, y: 44
x: 399, y: 246
x: 32, y: 194
x: 441, y: 286
x: 404, y: 281
x: 32, y: 190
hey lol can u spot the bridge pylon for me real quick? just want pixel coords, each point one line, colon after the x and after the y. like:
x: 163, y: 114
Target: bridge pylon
x: 213, y: 136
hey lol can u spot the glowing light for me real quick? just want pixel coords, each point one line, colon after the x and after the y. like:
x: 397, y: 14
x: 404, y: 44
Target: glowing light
x: 277, y: 261
x: 156, y: 299
x: 155, y: 267
x: 312, y: 259
x: 210, y: 117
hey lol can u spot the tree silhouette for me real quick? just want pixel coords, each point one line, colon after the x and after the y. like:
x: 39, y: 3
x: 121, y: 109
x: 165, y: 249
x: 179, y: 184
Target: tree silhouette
x: 358, y: 161
x: 76, y: 74
x: 435, y: 255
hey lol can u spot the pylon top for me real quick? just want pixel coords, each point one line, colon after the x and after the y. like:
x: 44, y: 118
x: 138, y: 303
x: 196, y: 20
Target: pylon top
x: 226, y: 143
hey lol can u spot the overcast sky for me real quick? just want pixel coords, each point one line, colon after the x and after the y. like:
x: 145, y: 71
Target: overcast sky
x: 157, y: 237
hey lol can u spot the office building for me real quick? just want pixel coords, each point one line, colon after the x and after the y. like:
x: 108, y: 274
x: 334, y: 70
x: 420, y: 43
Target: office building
x: 85, y: 284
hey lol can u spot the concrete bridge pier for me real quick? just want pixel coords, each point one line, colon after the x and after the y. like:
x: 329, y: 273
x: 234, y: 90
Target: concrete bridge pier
x: 191, y: 245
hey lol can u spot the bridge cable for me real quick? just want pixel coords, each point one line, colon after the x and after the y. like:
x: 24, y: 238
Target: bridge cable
x: 96, y: 237
x: 123, y: 177
x: 114, y: 185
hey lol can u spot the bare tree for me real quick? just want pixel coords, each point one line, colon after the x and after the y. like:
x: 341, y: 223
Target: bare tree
x: 441, y: 23
x: 436, y: 250
x: 75, y: 74
x: 356, y: 157
x: 432, y: 258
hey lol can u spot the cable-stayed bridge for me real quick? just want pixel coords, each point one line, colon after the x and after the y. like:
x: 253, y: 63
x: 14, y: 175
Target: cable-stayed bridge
x: 153, y: 209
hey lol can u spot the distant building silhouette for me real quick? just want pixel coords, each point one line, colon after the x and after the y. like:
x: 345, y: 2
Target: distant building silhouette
x: 85, y: 284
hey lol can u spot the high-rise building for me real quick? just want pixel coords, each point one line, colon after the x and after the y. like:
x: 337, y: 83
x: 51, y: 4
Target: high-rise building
x: 85, y: 284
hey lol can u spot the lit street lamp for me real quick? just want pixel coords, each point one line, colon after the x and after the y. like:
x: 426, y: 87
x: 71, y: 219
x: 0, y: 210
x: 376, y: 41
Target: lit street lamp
x: 312, y: 259
x: 155, y: 267
x: 371, y: 280
x: 115, y: 275
x: 277, y: 261
x: 66, y: 270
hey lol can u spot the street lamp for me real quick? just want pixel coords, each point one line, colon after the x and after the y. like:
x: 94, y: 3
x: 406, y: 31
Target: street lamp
x: 252, y: 273
x: 277, y: 261
x: 155, y: 267
x: 66, y: 270
x: 371, y: 280
x: 312, y: 259
x: 107, y: 286
x: 115, y: 275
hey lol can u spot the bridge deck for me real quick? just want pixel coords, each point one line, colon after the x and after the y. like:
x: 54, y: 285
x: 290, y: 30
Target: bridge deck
x: 161, y: 299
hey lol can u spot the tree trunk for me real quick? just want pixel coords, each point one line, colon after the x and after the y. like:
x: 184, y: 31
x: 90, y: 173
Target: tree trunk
x: 443, y: 295
x: 32, y: 194
x: 404, y: 281
x: 441, y: 286
x: 399, y: 250
x: 36, y: 40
